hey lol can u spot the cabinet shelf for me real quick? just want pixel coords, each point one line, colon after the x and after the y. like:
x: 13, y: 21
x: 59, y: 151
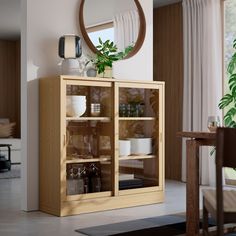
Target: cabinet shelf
x: 136, y: 118
x: 136, y: 157
x: 74, y: 160
x: 102, y: 119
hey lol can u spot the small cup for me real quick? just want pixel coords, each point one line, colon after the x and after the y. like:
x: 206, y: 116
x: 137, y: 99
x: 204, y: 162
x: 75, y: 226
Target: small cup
x: 213, y: 122
x: 122, y: 110
x: 95, y: 109
x: 129, y: 110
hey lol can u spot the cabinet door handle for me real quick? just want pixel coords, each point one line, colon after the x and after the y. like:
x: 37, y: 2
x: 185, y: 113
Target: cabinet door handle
x: 161, y: 137
x: 64, y: 140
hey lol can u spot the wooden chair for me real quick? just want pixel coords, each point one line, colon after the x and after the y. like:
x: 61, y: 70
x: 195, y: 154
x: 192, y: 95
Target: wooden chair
x: 221, y: 204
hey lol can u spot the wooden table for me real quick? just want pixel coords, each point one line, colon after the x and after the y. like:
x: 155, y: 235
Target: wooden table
x: 194, y: 141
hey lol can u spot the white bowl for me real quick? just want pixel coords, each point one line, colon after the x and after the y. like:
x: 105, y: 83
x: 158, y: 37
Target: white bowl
x: 124, y: 147
x: 75, y: 105
x: 141, y: 146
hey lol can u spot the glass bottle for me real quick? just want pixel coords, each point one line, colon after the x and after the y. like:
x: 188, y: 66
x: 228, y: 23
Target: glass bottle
x: 94, y: 142
x: 71, y: 182
x: 95, y: 179
x: 80, y: 182
x: 85, y: 177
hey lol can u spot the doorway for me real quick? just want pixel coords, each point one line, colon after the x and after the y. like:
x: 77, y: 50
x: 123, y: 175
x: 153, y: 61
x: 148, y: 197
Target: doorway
x: 10, y: 89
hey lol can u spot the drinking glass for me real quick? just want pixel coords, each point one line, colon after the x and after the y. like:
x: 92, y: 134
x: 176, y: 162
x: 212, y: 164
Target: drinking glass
x: 122, y: 110
x: 87, y: 146
x: 213, y: 122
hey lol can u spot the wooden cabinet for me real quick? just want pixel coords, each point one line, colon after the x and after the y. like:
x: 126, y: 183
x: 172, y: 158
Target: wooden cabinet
x: 81, y: 169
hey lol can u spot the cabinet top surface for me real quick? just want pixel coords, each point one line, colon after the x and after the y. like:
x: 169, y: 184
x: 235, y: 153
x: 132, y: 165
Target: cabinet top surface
x: 98, y: 79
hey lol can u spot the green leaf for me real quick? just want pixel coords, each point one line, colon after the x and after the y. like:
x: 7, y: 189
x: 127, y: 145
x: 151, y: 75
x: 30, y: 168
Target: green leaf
x: 107, y: 54
x: 212, y: 151
x: 232, y: 111
x: 232, y: 64
x: 109, y: 63
x: 232, y: 83
x: 234, y: 44
x: 113, y: 50
x: 225, y: 101
x: 232, y: 124
x: 100, y: 40
x: 107, y: 43
x: 228, y: 118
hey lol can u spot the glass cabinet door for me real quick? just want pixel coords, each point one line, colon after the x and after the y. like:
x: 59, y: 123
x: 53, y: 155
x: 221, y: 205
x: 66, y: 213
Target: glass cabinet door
x: 89, y: 133
x: 138, y: 137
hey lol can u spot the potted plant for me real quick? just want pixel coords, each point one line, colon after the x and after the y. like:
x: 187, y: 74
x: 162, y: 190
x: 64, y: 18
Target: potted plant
x: 229, y: 100
x: 106, y: 55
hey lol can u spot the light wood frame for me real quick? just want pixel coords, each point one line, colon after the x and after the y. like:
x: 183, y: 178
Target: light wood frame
x: 53, y: 160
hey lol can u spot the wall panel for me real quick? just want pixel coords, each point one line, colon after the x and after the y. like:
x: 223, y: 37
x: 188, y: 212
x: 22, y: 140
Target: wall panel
x: 168, y: 67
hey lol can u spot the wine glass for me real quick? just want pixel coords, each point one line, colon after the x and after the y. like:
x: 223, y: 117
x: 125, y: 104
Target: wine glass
x: 213, y: 122
x: 87, y: 146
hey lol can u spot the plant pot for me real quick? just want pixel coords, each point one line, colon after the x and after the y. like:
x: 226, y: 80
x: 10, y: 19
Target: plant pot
x: 106, y: 74
x: 91, y: 72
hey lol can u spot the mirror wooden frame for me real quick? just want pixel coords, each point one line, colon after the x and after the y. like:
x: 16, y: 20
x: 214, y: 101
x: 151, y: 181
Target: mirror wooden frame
x: 141, y: 35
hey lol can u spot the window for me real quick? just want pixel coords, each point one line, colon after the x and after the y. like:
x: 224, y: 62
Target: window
x: 230, y: 35
x: 104, y: 31
x: 230, y: 28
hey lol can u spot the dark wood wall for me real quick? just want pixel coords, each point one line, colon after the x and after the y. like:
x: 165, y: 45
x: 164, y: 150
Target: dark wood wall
x: 168, y: 67
x: 10, y: 83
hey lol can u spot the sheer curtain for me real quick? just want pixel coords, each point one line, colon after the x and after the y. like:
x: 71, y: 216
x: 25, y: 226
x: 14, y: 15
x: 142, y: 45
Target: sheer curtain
x: 202, y: 74
x: 126, y: 29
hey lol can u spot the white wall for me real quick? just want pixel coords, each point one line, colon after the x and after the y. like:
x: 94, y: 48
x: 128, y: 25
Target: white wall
x: 43, y: 22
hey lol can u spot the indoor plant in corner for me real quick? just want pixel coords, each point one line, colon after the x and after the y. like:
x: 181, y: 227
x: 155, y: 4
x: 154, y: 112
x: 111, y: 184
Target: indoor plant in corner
x: 106, y: 55
x: 229, y: 100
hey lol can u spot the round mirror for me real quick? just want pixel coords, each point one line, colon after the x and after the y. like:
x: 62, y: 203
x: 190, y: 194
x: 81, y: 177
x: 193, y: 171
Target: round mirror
x: 120, y: 21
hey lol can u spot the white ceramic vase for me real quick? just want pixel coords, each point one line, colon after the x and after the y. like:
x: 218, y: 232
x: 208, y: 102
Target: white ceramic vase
x: 75, y: 105
x: 70, y: 66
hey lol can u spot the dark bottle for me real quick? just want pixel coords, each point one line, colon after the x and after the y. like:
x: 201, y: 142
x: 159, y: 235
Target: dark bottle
x: 85, y: 177
x: 80, y: 182
x: 94, y: 142
x: 95, y: 179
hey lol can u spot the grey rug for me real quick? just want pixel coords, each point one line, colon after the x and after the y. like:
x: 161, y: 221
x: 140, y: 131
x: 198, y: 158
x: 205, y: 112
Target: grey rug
x: 128, y: 226
x: 13, y: 173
